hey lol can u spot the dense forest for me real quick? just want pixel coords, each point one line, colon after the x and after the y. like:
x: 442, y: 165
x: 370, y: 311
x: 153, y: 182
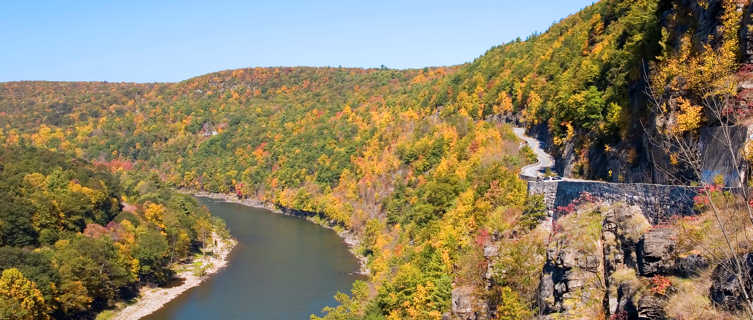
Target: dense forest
x: 76, y: 237
x: 352, y: 144
x: 418, y: 163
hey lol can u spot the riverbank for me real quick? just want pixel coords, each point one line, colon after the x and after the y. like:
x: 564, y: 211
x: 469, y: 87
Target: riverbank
x: 152, y: 299
x: 350, y: 239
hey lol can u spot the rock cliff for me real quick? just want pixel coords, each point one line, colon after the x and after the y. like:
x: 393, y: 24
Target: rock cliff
x: 609, y: 259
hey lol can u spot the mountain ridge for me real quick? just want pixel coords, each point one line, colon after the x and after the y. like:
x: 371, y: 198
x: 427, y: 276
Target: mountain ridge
x: 420, y: 164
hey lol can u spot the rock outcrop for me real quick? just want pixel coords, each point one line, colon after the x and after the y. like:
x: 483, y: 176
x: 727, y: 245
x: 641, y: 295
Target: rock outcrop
x: 571, y: 279
x: 464, y: 303
x: 657, y: 256
x: 715, y: 144
x: 621, y: 230
x: 563, y: 280
x: 468, y: 301
x: 614, y: 264
x: 726, y: 291
x: 656, y: 252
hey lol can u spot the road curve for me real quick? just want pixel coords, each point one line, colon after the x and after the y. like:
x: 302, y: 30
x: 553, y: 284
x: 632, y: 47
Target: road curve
x: 544, y: 159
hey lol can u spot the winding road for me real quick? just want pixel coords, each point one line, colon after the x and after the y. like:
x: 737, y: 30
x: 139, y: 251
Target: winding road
x: 657, y: 201
x: 545, y: 160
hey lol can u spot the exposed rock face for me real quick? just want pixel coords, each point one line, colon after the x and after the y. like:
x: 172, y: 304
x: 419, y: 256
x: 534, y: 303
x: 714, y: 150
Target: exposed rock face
x: 746, y: 36
x: 564, y: 274
x: 571, y: 277
x: 657, y: 256
x: 566, y: 161
x: 651, y: 307
x: 463, y: 301
x: 474, y: 301
x: 631, y: 251
x: 690, y: 265
x: 490, y: 251
x: 467, y: 304
x: 717, y: 159
x: 656, y: 252
x: 468, y: 301
x: 620, y: 239
x: 725, y: 289
x: 626, y: 309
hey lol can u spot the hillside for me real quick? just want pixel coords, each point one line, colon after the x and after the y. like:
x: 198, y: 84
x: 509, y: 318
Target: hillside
x: 578, y: 82
x: 605, y: 85
x: 420, y: 164
x: 76, y: 238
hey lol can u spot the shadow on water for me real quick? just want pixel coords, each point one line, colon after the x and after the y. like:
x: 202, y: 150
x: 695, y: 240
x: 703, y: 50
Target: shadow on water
x: 283, y: 268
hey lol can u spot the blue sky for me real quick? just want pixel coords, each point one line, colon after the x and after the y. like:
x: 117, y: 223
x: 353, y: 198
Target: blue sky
x: 166, y: 40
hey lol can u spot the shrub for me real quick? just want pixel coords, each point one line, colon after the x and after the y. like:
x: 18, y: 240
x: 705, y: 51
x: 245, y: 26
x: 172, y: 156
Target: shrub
x: 660, y: 284
x: 509, y: 306
x: 534, y: 211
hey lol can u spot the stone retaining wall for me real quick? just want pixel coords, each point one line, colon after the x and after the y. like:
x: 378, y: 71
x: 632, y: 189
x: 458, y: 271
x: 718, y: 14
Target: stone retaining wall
x: 658, y: 202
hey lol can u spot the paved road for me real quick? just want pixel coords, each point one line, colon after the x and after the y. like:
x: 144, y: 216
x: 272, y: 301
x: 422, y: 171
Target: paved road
x: 544, y: 159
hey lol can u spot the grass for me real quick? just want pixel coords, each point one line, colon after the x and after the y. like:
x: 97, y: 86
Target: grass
x: 199, y: 269
x: 624, y: 275
x: 106, y: 315
x: 635, y: 227
x: 581, y: 229
x: 690, y: 300
x: 111, y: 313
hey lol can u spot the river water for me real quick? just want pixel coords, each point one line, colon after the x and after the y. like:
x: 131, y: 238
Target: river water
x: 282, y: 268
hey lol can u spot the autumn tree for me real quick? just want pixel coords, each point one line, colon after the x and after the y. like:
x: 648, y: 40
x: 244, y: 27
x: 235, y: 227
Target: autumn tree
x: 19, y: 297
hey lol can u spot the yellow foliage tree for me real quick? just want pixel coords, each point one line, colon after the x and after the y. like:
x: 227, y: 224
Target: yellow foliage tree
x: 504, y: 103
x: 534, y: 103
x: 688, y: 119
x: 19, y: 297
x: 73, y: 297
x: 154, y: 212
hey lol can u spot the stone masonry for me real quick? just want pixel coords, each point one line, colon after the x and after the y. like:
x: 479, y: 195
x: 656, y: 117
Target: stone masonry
x: 658, y: 202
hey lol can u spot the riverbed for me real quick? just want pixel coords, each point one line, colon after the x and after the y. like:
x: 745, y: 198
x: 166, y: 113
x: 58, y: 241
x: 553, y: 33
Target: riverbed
x: 283, y: 267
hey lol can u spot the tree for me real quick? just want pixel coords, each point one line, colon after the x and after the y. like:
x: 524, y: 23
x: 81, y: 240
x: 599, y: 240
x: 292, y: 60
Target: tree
x: 679, y: 140
x: 203, y: 229
x: 503, y: 103
x: 510, y: 307
x: 154, y: 213
x: 73, y: 297
x: 19, y: 297
x: 95, y: 263
x: 151, y: 250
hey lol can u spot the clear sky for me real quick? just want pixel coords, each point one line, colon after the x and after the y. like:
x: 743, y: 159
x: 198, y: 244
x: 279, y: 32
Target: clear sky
x: 168, y: 40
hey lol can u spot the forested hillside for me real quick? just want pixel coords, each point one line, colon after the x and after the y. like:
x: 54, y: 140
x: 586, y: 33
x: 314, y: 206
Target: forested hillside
x: 76, y: 238
x: 356, y: 145
x: 416, y: 162
x: 575, y: 81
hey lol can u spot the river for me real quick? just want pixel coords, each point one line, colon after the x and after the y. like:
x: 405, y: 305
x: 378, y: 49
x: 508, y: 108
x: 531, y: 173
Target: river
x: 282, y: 268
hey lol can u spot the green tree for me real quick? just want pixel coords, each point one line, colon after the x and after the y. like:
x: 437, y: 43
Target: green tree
x: 95, y: 263
x: 152, y: 252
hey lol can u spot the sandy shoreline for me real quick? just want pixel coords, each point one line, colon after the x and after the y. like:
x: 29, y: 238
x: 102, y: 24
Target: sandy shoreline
x: 152, y: 299
x: 348, y: 237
